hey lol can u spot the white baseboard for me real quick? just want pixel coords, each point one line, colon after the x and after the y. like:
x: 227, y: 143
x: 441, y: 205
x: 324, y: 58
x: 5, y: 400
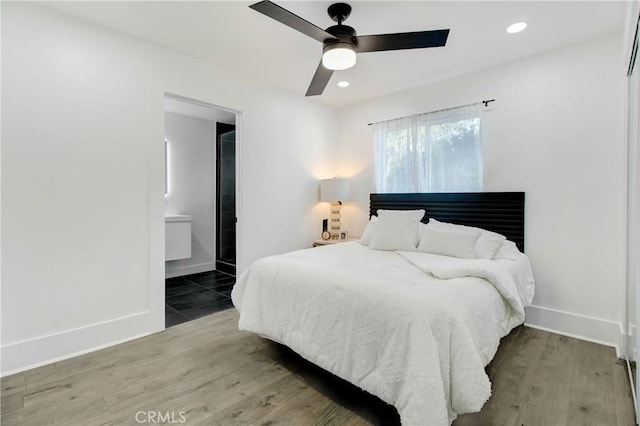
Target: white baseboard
x: 32, y: 353
x: 596, y: 330
x: 178, y: 271
x: 36, y: 352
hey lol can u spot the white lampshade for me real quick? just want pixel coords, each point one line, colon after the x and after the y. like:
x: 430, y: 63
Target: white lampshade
x: 339, y: 58
x: 336, y: 189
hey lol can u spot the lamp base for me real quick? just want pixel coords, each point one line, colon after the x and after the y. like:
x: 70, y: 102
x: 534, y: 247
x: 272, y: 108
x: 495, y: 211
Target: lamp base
x: 334, y: 226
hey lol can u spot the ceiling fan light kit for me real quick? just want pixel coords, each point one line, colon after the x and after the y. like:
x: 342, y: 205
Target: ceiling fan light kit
x: 338, y: 56
x: 340, y: 43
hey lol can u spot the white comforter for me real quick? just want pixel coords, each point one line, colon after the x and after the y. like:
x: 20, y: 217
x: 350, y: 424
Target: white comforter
x: 384, y: 322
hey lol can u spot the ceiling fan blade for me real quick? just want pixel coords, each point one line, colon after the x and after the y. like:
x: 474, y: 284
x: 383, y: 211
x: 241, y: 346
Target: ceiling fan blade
x: 398, y: 41
x: 282, y: 15
x: 319, y: 81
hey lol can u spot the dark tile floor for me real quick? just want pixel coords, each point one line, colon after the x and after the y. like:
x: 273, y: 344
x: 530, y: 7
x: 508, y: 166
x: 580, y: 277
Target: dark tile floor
x: 197, y: 295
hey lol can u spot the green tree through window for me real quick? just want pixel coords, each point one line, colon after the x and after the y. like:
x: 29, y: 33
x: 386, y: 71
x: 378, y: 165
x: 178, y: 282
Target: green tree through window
x: 438, y: 152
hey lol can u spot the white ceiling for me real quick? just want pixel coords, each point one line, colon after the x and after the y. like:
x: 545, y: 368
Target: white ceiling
x: 234, y: 36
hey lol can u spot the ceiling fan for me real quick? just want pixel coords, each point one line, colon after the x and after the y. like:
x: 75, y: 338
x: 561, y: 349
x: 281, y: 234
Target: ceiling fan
x: 340, y: 42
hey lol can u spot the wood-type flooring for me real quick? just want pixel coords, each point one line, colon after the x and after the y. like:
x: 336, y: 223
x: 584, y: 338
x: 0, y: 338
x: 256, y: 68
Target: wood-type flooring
x: 206, y: 372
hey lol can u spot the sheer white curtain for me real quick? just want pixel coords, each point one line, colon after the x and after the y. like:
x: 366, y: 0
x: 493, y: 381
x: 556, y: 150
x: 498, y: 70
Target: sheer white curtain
x: 434, y: 152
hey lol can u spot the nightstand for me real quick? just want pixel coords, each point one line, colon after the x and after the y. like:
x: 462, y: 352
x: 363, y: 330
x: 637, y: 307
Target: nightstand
x: 317, y: 243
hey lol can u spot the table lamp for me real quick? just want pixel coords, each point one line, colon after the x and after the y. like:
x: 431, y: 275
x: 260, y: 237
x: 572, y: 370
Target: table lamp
x: 334, y: 191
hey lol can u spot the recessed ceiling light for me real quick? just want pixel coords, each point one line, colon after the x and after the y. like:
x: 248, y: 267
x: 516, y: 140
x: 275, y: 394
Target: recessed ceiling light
x: 516, y: 28
x: 343, y: 84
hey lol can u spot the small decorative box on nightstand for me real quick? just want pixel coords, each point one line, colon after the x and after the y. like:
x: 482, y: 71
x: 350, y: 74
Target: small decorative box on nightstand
x: 317, y: 243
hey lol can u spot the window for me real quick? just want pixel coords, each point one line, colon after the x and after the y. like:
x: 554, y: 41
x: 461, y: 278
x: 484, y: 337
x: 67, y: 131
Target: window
x: 434, y: 152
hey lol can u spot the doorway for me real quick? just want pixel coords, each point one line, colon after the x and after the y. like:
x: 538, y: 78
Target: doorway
x: 199, y: 205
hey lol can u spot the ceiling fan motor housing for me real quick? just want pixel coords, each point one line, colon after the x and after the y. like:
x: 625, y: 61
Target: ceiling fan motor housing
x: 344, y: 35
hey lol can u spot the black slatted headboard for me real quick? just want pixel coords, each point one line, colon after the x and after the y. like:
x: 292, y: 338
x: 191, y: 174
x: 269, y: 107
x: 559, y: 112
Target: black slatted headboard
x: 501, y: 212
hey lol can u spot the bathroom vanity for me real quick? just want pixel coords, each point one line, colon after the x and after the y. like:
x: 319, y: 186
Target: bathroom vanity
x: 177, y: 231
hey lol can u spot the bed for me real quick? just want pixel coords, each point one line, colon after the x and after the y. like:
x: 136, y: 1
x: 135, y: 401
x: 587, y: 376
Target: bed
x: 413, y: 327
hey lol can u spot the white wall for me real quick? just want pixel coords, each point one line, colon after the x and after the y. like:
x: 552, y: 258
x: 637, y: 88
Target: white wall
x: 83, y: 179
x: 555, y: 132
x: 192, y: 184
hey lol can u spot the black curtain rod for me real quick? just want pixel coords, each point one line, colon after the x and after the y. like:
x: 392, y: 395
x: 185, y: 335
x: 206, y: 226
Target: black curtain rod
x: 486, y: 103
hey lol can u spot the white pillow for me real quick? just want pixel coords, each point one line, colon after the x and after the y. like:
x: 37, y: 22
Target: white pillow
x: 396, y: 230
x: 486, y: 246
x: 508, y: 250
x: 365, y: 239
x: 449, y: 242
